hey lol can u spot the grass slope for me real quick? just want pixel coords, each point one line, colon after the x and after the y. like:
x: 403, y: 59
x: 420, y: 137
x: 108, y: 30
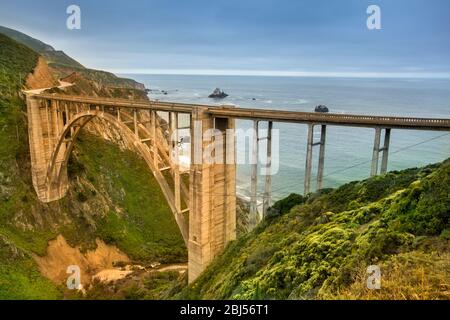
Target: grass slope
x: 320, y: 248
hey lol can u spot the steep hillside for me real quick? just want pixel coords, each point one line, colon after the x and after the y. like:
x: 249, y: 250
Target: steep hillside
x: 112, y: 198
x: 16, y: 62
x: 63, y: 65
x: 47, y: 51
x: 320, y: 247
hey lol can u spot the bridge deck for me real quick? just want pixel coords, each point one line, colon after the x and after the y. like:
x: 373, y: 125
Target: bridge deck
x: 438, y: 124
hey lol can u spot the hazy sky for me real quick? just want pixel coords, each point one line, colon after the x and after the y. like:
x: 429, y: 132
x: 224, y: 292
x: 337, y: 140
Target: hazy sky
x: 327, y: 37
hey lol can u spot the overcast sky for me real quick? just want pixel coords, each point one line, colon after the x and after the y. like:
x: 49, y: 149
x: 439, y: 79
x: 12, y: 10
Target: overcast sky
x: 244, y: 36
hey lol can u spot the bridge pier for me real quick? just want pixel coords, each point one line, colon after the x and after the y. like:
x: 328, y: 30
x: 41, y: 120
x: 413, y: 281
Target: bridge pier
x: 377, y: 150
x: 44, y: 126
x: 173, y: 116
x: 267, y: 198
x: 212, y: 217
x: 384, y: 161
x: 154, y: 145
x: 309, y: 157
x: 253, y: 212
x: 267, y: 195
x: 321, y: 166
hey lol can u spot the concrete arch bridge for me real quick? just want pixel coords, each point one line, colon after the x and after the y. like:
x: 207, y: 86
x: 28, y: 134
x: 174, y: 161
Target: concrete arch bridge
x: 201, y: 194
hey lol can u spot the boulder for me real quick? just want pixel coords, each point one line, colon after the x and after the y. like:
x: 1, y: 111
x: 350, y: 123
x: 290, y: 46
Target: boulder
x: 321, y: 108
x: 218, y: 94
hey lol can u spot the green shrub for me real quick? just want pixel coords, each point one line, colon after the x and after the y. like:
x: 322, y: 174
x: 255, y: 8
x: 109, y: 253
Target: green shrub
x: 284, y: 205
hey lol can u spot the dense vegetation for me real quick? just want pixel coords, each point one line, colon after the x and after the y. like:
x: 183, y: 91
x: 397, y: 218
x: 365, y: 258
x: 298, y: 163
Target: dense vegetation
x: 112, y: 196
x: 320, y: 247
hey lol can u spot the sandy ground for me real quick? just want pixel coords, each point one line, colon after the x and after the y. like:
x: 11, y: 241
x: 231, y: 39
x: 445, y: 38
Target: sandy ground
x: 95, y: 264
x: 60, y: 255
x: 111, y: 275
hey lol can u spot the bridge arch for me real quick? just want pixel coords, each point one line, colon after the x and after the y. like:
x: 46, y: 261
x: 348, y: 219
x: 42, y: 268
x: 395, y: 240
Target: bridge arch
x: 56, y: 175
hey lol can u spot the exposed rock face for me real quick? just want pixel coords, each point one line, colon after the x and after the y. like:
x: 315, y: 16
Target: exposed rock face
x: 72, y: 78
x: 218, y: 94
x: 41, y: 77
x: 321, y: 108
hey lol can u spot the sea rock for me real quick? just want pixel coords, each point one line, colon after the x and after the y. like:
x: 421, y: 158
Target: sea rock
x: 218, y: 94
x: 321, y: 108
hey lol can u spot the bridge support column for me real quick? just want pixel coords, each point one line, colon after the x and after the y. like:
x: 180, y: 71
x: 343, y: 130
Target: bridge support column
x: 320, y: 168
x: 174, y: 155
x: 377, y: 150
x: 253, y: 214
x: 309, y: 158
x: 267, y: 199
x: 384, y: 161
x: 308, y: 164
x: 45, y: 121
x: 135, y: 123
x: 155, y: 140
x: 212, y: 217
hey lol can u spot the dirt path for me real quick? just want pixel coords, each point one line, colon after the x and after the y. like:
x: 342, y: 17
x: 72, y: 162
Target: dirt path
x: 111, y: 275
x: 62, y: 85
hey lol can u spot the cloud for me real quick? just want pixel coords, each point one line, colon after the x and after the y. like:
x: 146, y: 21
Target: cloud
x: 280, y: 73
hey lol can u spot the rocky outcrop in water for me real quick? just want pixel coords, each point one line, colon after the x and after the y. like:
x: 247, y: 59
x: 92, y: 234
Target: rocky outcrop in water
x: 218, y: 94
x: 321, y: 108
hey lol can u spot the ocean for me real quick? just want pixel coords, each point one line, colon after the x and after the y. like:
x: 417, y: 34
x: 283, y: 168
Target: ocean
x: 348, y: 150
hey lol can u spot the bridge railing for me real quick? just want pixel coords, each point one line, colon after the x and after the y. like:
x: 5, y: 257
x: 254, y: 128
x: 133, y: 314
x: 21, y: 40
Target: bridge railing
x: 419, y: 123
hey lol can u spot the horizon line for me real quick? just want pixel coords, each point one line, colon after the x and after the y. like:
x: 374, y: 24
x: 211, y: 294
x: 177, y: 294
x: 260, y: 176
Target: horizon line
x: 279, y: 73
